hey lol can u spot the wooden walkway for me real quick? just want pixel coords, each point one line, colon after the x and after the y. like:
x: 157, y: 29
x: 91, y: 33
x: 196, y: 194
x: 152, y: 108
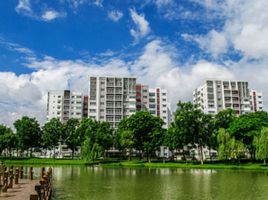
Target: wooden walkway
x: 20, y: 191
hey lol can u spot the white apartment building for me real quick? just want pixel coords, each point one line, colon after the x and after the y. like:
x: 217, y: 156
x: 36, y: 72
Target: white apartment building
x: 111, y: 98
x: 64, y: 105
x: 256, y: 100
x: 216, y: 95
x: 154, y: 100
x: 158, y: 105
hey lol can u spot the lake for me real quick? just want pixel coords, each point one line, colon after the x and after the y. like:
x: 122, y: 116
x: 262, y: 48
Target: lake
x: 97, y: 183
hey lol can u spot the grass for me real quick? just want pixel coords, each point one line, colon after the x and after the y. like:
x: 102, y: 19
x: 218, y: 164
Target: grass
x: 136, y: 164
x: 194, y: 165
x: 42, y: 161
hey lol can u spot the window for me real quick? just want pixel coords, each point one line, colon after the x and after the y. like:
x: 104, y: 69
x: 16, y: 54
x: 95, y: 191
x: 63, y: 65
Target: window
x: 92, y: 110
x: 152, y: 106
x: 151, y: 100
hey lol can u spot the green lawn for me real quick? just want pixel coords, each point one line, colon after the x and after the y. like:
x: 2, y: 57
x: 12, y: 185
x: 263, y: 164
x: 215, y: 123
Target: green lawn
x: 42, y: 161
x: 247, y: 166
x: 136, y: 163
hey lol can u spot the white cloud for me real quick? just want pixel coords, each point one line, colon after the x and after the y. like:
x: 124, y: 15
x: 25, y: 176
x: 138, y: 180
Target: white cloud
x: 157, y: 66
x: 142, y: 25
x: 26, y: 94
x: 50, y: 15
x: 16, y: 47
x: 98, y: 3
x: 214, y: 42
x: 245, y: 28
x: 115, y: 15
x: 162, y: 3
x: 24, y: 6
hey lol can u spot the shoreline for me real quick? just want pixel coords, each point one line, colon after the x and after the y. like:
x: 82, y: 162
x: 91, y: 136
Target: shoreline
x: 136, y: 164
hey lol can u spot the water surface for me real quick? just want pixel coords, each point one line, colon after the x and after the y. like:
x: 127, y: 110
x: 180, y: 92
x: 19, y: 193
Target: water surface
x: 96, y: 183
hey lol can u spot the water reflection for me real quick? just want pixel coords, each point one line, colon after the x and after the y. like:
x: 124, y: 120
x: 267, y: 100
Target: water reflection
x: 120, y: 183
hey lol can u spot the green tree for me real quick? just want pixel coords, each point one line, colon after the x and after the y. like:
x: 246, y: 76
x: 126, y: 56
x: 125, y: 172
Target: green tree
x: 208, y: 133
x: 224, y: 118
x: 147, y: 130
x: 260, y: 143
x: 28, y: 132
x: 85, y: 125
x: 191, y: 126
x: 246, y: 127
x: 124, y: 140
x: 224, y: 141
x: 8, y: 140
x: 98, y: 139
x: 72, y: 139
x: 229, y: 147
x: 52, y: 131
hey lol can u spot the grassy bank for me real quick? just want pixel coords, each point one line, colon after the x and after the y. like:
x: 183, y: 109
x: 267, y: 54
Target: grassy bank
x: 140, y: 164
x: 136, y: 164
x: 42, y: 161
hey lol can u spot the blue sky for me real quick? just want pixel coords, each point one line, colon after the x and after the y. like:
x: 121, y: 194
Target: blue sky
x: 86, y: 30
x: 174, y: 44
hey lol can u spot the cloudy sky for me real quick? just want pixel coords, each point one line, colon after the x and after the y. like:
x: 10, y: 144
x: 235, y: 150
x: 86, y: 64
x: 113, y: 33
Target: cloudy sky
x: 175, y: 44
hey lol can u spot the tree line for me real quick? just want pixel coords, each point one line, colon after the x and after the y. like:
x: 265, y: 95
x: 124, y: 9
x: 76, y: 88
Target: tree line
x: 141, y: 134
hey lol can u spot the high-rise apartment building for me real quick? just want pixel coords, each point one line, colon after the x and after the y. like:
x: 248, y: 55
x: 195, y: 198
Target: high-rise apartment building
x: 158, y: 104
x: 154, y: 101
x: 142, y: 97
x: 256, y: 100
x: 64, y: 105
x: 85, y: 106
x: 111, y: 98
x: 216, y: 95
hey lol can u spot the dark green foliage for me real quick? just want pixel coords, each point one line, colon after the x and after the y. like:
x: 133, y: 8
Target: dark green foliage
x: 52, y: 132
x: 224, y: 118
x: 97, y: 139
x: 71, y: 136
x: 28, y: 132
x: 146, y: 129
x: 8, y: 139
x: 246, y: 127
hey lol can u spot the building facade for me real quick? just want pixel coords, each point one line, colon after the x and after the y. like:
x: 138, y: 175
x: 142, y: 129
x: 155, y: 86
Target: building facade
x: 64, y: 105
x: 256, y: 100
x: 111, y: 98
x: 216, y: 95
x: 142, y: 97
x: 153, y: 100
